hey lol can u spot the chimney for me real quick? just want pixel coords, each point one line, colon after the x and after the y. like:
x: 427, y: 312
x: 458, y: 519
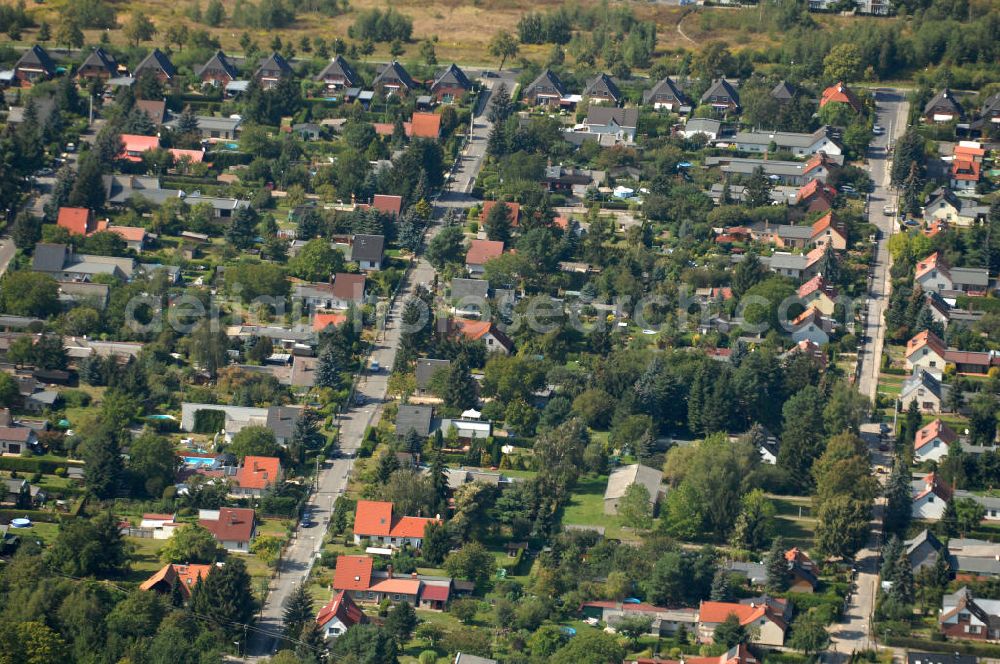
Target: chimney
x: 389, y: 570
x: 413, y: 575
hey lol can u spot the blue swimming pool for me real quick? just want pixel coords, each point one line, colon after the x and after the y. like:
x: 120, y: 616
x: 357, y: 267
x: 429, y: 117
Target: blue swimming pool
x: 199, y: 461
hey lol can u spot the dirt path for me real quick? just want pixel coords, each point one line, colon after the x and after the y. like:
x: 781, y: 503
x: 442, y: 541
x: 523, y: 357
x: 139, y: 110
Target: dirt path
x: 680, y: 30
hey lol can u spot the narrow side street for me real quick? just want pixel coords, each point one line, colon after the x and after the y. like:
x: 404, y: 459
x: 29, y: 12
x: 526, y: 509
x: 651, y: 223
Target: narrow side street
x: 304, y: 549
x: 854, y: 633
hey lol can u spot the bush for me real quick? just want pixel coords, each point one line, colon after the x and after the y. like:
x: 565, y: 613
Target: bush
x: 76, y: 398
x: 33, y: 465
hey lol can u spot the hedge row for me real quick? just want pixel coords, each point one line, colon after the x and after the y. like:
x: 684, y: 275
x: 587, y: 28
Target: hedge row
x: 30, y: 465
x: 961, y: 647
x: 34, y: 515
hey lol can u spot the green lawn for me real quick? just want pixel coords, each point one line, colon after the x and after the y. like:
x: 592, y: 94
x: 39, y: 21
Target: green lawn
x: 586, y: 508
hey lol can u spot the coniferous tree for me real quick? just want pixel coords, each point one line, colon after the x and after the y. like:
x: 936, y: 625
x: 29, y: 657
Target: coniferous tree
x: 899, y: 501
x: 439, y: 479
x: 327, y: 368
x: 225, y: 598
x: 460, y: 393
x: 778, y: 575
x: 501, y: 105
x: 498, y: 222
x: 758, y: 189
x: 241, y: 230
x: 387, y: 465
x: 721, y: 592
x: 297, y: 611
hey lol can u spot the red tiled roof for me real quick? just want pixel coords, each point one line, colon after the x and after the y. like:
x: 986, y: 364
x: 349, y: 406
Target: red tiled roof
x: 926, y: 338
x: 16, y: 434
x: 320, y: 321
x: 828, y: 220
x: 840, y: 93
x: 982, y: 358
x: 717, y: 612
x: 258, y: 472
x: 815, y: 187
x: 373, y: 517
x: 811, y: 314
x: 928, y: 264
x: 969, y: 152
x: 965, y: 169
x: 817, y: 283
x: 425, y: 125
x: 481, y: 251
x: 515, y: 211
x: 436, y: 593
x: 196, y: 156
x: 342, y: 607
x: 157, y: 517
x: 349, y: 287
x: 936, y: 429
x: 352, y: 573
x: 933, y: 484
x: 77, y: 221
x: 387, y: 203
x: 235, y: 524
x: 398, y: 586
x: 134, y: 143
x: 187, y: 575
x: 410, y: 526
x: 128, y: 233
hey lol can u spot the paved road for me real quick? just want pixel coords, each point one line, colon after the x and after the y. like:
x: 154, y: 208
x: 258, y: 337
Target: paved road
x: 7, y: 250
x: 854, y: 632
x: 371, y: 393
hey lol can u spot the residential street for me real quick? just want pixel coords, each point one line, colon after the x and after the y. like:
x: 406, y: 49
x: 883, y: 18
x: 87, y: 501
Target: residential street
x: 854, y: 632
x: 371, y: 392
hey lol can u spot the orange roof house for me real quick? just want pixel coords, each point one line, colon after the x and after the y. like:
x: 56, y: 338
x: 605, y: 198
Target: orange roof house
x: 339, y: 614
x: 232, y: 527
x: 482, y: 330
x: 186, y: 576
x: 770, y: 616
x: 481, y: 251
x: 815, y: 188
x: 515, y: 211
x: 374, y: 520
x: 933, y: 440
x: 425, y: 125
x: 352, y: 573
x: 321, y: 320
x: 932, y: 262
x: 78, y: 221
x: 388, y: 204
x: 828, y: 229
x: 840, y: 93
x: 927, y: 351
x: 135, y: 145
x: 257, y: 474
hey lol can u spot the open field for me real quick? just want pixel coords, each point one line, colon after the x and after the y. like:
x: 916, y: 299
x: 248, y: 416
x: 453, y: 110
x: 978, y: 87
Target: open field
x: 461, y: 30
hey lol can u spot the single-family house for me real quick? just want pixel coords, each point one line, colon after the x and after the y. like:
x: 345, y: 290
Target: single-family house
x: 155, y: 110
x: 783, y: 92
x: 943, y: 107
x: 466, y: 429
x: 722, y: 96
x: 933, y: 275
x: 620, y: 123
x: 819, y: 294
x: 924, y: 388
x: 944, y: 205
x: 930, y: 497
x: 156, y: 64
x: 34, y: 66
x: 794, y: 173
x: 162, y: 526
x: 707, y: 127
x: 347, y: 289
x: 367, y: 251
x: 450, y: 85
x: 799, y: 144
x: 375, y: 521
x: 257, y: 475
x: 134, y: 236
x: 486, y: 331
x: 424, y: 373
x: 830, y: 231
x: 545, y: 90
x: 411, y: 417
x: 665, y: 621
x: 469, y: 296
x: 811, y: 325
x: 214, y: 128
x: 815, y: 195
x: 602, y: 88
x: 232, y: 527
x: 967, y: 166
x: 197, y: 418
x: 218, y: 70
x: 272, y: 69
x: 338, y: 615
x: 59, y: 261
x: 338, y: 74
x: 16, y: 439
x: 966, y: 617
x: 804, y: 572
x: 99, y: 64
x: 839, y: 93
x: 926, y: 351
x: 924, y: 550
x: 78, y: 221
x: 788, y: 264
x: 388, y: 204
x: 482, y: 251
x: 769, y: 616
x: 622, y: 477
x: 973, y: 557
x: 186, y: 577
x: 666, y: 94
x: 394, y: 79
x: 933, y: 441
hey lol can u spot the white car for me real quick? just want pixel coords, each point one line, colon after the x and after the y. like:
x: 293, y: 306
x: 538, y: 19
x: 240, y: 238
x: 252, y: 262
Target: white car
x: 878, y: 130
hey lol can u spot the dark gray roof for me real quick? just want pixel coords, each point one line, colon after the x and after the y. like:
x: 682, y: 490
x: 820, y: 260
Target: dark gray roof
x: 721, y: 89
x: 156, y: 61
x: 219, y: 62
x: 281, y: 420
x: 605, y: 115
x: 101, y: 59
x: 367, y: 248
x: 452, y: 76
x: 426, y: 368
x: 339, y: 67
x: 921, y: 378
x: 49, y: 257
x: 472, y: 288
x: 665, y: 89
x: 413, y: 417
x: 274, y: 65
x: 783, y: 91
x: 602, y: 85
x: 944, y: 101
x: 36, y: 56
x: 394, y: 73
x: 547, y: 81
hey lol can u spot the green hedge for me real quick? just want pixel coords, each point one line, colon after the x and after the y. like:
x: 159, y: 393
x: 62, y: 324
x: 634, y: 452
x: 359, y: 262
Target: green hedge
x: 32, y: 465
x: 34, y: 515
x: 962, y: 647
x: 209, y: 420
